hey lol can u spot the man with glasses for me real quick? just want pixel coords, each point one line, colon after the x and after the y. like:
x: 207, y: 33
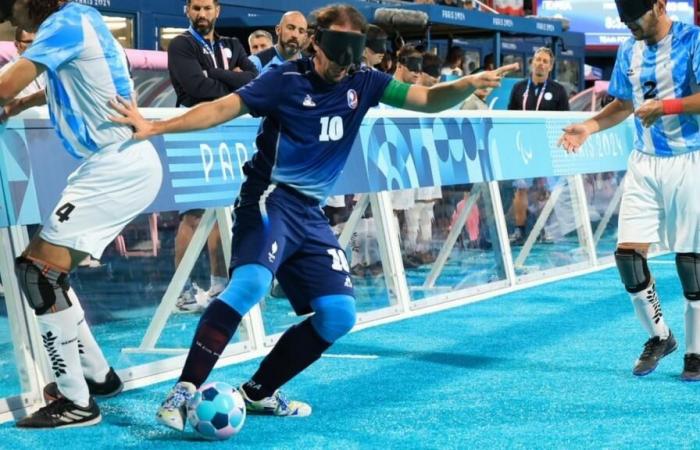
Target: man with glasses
x: 23, y: 39
x: 656, y: 79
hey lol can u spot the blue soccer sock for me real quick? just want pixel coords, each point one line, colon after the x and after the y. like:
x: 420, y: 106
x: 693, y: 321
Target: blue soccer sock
x: 298, y: 348
x: 217, y: 325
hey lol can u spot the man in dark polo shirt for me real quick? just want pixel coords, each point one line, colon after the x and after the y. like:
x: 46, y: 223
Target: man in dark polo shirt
x: 537, y: 93
x: 203, y: 67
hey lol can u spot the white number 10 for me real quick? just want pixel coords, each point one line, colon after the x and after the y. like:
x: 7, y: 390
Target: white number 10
x: 340, y: 262
x: 331, y: 129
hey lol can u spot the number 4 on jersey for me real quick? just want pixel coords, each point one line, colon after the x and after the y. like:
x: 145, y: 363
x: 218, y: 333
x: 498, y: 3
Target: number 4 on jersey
x: 64, y: 211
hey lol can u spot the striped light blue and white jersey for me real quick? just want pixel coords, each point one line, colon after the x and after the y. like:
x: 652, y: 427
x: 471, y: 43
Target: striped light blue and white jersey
x: 86, y: 67
x: 667, y: 70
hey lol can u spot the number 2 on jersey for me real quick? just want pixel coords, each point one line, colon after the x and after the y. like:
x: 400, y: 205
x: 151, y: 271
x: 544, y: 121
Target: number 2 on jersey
x: 331, y: 129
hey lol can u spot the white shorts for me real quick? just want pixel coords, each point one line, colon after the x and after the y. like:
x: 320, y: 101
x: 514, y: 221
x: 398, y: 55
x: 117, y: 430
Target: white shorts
x: 103, y: 195
x: 661, y: 202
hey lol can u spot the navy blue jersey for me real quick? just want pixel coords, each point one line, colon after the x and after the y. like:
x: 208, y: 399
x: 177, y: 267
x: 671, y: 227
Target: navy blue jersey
x: 309, y: 125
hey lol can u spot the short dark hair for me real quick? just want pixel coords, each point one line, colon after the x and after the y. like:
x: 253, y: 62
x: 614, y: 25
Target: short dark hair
x: 18, y: 34
x: 432, y: 64
x: 39, y: 10
x: 375, y: 32
x: 408, y: 51
x: 339, y: 15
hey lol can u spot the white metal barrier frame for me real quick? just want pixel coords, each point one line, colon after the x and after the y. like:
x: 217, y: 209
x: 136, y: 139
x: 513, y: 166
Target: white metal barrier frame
x: 33, y: 371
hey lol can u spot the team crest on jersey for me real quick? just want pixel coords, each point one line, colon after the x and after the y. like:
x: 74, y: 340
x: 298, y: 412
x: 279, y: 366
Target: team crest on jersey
x: 353, y: 100
x: 309, y: 102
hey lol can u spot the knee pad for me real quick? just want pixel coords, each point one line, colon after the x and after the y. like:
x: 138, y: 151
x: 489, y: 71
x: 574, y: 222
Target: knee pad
x: 688, y: 267
x: 633, y: 268
x: 334, y: 316
x: 248, y: 285
x: 44, y: 287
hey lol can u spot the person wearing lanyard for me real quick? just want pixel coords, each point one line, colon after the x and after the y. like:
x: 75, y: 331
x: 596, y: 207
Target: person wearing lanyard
x: 204, y: 66
x: 537, y: 93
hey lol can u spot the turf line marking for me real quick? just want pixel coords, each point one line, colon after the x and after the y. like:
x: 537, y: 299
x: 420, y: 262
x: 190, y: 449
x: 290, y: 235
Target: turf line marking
x: 346, y: 356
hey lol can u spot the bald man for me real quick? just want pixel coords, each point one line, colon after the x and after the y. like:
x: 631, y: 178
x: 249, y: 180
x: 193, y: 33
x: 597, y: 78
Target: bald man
x: 291, y: 40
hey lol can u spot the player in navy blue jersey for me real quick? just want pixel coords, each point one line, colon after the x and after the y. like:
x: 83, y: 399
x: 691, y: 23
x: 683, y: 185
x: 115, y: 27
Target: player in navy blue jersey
x: 312, y: 110
x: 656, y: 78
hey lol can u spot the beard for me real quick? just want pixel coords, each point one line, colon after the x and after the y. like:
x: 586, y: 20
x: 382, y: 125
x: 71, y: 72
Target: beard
x: 203, y: 26
x: 290, y: 46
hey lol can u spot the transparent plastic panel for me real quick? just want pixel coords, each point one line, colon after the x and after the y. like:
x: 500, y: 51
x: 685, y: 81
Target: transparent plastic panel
x: 121, y: 292
x: 603, y: 193
x: 544, y: 224
x: 354, y: 223
x: 448, y: 239
x: 9, y: 380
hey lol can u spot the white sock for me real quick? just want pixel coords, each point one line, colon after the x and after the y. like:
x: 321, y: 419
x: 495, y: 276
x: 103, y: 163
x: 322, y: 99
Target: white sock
x: 95, y: 366
x: 59, y: 332
x: 692, y: 327
x: 648, y: 309
x: 217, y: 281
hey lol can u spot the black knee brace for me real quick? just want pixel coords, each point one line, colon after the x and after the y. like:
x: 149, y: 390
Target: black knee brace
x: 688, y: 266
x: 44, y: 287
x: 633, y: 268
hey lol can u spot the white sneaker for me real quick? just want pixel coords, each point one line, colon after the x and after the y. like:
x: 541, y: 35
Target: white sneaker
x: 173, y: 411
x: 189, y: 300
x: 276, y: 405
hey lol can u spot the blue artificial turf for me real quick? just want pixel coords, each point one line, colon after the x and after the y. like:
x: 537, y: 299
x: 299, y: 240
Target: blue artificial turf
x: 548, y: 367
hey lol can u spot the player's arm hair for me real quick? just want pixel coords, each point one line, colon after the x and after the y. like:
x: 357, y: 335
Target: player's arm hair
x: 691, y: 104
x: 439, y: 97
x: 615, y: 112
x: 204, y: 115
x: 24, y: 103
x: 16, y: 78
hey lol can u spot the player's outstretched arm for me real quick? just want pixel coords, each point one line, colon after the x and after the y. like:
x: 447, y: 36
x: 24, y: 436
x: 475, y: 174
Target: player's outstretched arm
x: 16, y: 78
x: 443, y: 96
x: 575, y: 135
x: 202, y: 116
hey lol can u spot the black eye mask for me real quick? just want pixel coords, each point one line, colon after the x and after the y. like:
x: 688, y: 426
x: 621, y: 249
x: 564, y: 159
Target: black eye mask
x: 413, y: 63
x: 341, y: 47
x: 631, y: 10
x: 378, y: 45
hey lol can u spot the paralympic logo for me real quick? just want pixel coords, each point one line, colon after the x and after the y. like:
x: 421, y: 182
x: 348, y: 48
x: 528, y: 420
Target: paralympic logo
x: 525, y: 154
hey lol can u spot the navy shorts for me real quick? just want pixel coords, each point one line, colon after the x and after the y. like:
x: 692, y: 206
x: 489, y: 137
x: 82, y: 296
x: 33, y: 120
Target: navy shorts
x: 287, y: 232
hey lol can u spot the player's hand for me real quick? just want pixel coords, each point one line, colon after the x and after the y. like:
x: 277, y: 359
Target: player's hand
x: 573, y: 138
x: 130, y: 115
x: 492, y: 78
x: 650, y: 112
x: 10, y: 109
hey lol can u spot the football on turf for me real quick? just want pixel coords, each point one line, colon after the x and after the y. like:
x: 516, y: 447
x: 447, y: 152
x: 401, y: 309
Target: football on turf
x: 216, y: 411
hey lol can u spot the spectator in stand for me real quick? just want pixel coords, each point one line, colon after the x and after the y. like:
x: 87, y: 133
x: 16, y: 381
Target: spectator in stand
x: 454, y: 63
x: 203, y: 67
x: 258, y: 41
x: 537, y: 93
x: 291, y: 40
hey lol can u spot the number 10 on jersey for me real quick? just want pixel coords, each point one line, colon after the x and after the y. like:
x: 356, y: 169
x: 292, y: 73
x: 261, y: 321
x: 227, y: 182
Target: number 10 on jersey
x: 331, y: 129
